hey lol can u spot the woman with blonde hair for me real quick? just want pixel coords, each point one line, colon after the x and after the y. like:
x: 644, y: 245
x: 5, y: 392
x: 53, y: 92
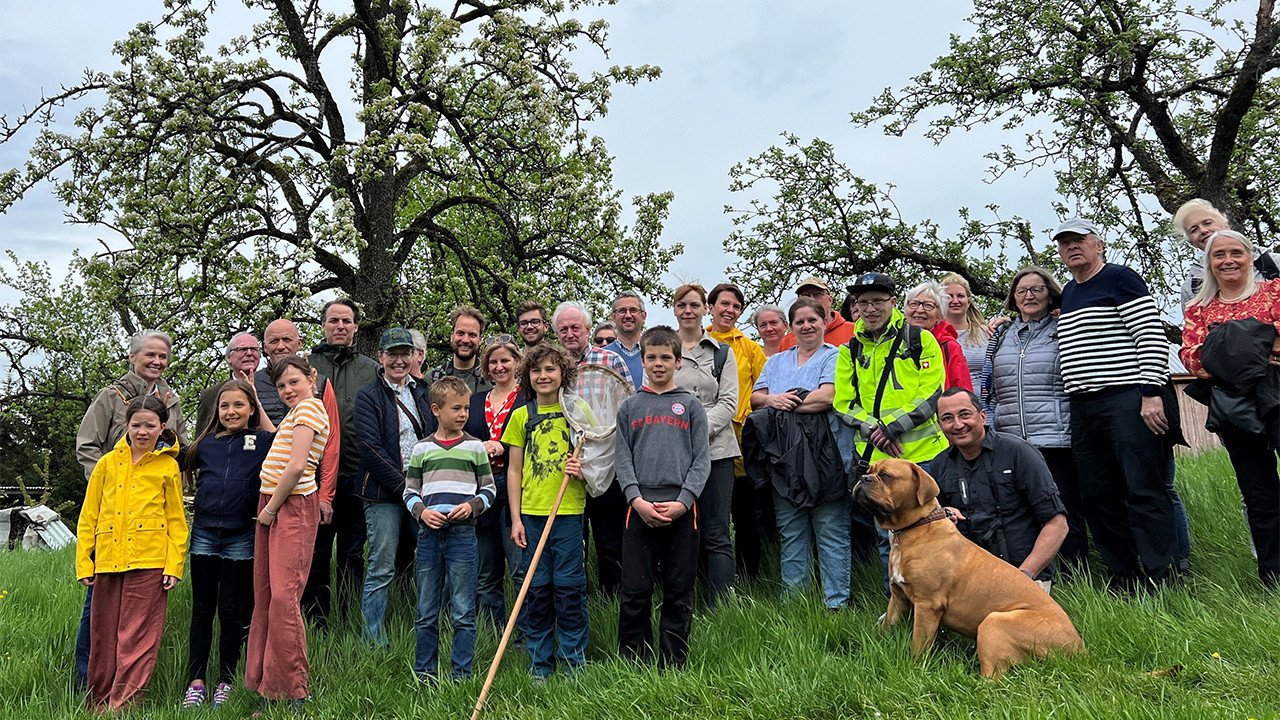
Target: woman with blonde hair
x: 971, y: 327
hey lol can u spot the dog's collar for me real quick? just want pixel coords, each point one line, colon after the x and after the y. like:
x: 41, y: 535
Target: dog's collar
x: 937, y: 514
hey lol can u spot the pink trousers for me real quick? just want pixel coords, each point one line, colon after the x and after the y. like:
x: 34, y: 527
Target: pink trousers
x: 276, y: 664
x: 126, y: 623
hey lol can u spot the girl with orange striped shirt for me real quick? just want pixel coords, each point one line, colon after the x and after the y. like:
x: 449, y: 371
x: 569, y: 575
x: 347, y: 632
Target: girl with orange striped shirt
x: 288, y: 514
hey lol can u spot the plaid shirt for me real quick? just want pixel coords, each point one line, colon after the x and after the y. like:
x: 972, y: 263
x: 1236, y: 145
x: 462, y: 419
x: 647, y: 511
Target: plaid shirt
x: 609, y: 359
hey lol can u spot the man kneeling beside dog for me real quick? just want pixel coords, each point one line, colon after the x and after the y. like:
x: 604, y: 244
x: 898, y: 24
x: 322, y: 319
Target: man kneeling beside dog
x: 999, y: 492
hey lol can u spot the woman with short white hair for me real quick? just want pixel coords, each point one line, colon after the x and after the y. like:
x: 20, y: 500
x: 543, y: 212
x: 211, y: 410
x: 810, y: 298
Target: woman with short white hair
x: 924, y: 310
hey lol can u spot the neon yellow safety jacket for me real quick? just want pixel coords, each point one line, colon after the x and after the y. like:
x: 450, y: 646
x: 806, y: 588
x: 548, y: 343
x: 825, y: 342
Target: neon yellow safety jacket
x: 909, y: 408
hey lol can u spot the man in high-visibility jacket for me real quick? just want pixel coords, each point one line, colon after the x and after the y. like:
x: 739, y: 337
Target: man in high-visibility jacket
x: 889, y: 377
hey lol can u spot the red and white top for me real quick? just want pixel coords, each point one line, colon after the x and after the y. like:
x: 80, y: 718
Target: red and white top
x: 310, y: 413
x: 1263, y: 305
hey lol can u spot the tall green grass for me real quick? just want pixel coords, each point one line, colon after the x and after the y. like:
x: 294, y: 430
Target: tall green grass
x: 758, y: 658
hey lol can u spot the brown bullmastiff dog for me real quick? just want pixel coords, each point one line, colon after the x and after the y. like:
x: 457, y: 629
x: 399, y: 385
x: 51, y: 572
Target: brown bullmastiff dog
x: 952, y: 581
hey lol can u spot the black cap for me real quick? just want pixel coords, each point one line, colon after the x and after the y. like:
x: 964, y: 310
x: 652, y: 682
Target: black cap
x: 873, y: 281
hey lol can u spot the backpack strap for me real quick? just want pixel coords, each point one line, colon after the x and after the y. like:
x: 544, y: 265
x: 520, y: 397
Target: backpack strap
x: 864, y: 460
x: 915, y: 346
x: 1267, y: 266
x: 721, y: 357
x: 535, y: 417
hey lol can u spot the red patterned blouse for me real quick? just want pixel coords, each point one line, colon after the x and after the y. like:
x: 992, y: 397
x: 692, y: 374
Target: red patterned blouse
x: 1199, y: 319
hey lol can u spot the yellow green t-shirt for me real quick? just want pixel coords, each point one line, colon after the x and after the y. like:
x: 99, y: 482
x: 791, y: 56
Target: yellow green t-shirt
x: 543, y: 467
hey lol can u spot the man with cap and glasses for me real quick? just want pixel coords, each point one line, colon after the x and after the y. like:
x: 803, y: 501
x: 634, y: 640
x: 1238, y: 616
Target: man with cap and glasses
x: 1114, y: 363
x: 889, y: 377
x: 838, y: 329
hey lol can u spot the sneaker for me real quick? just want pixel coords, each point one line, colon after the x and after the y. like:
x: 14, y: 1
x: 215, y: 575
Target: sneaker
x: 221, y: 694
x: 264, y: 706
x: 194, y: 697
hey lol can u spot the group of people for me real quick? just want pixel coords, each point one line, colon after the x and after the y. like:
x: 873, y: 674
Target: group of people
x: 1050, y: 424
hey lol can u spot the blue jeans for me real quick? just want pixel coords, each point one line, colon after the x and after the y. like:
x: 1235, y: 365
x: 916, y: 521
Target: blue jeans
x: 385, y: 525
x: 225, y: 543
x: 829, y: 525
x: 449, y: 551
x: 83, y: 641
x: 884, y: 539
x: 557, y: 600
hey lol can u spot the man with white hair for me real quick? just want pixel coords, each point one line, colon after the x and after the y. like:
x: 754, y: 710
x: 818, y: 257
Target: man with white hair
x: 605, y: 516
x: 419, y: 353
x: 243, y: 355
x: 572, y: 324
x: 1196, y: 220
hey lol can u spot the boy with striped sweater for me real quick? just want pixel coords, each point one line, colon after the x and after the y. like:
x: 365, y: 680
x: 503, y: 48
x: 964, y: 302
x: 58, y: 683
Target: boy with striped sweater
x: 448, y: 483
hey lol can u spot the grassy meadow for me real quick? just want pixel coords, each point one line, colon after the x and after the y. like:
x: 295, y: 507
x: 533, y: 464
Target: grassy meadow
x: 758, y: 658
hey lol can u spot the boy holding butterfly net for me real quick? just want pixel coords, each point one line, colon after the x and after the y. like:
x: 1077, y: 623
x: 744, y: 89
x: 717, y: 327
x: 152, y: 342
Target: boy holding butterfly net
x: 663, y: 459
x: 541, y: 456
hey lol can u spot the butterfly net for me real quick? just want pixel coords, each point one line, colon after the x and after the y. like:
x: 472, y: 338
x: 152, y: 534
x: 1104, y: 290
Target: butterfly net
x: 590, y: 408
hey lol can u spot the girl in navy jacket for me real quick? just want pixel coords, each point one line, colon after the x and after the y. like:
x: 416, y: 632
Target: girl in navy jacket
x: 226, y: 460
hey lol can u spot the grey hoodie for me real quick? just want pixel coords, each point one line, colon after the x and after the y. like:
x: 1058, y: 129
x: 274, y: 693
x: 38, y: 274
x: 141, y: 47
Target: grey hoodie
x: 663, y: 450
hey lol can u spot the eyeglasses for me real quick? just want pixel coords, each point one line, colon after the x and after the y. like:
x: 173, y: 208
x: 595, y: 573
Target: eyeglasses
x: 531, y: 323
x: 627, y: 311
x: 868, y: 304
x: 503, y: 339
x: 246, y: 350
x: 1033, y: 290
x: 926, y: 304
x: 813, y: 293
x: 602, y: 340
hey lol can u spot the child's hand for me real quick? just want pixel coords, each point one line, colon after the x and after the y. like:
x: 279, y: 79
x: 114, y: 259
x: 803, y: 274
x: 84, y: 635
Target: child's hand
x: 573, y: 467
x: 461, y: 511
x: 87, y: 582
x: 517, y: 534
x: 649, y: 513
x: 433, y: 518
x: 671, y: 510
x: 266, y: 518
x: 170, y: 582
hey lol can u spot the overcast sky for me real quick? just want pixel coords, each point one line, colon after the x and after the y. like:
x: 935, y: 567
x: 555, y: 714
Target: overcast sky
x: 736, y: 73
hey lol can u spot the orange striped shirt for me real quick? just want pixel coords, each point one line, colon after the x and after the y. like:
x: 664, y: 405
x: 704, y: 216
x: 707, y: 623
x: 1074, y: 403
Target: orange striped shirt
x: 311, y: 413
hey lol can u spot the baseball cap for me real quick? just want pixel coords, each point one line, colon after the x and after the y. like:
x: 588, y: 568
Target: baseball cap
x: 1076, y: 225
x: 873, y: 281
x: 813, y: 281
x: 394, y: 337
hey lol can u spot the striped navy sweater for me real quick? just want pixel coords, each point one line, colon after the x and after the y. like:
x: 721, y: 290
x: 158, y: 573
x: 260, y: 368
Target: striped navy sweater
x: 1109, y: 334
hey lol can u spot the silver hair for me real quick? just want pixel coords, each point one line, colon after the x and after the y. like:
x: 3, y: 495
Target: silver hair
x: 628, y: 294
x: 135, y: 343
x: 236, y: 337
x: 419, y: 340
x: 1180, y: 216
x: 932, y: 289
x: 606, y: 325
x: 755, y: 317
x: 571, y: 305
x: 1209, y: 288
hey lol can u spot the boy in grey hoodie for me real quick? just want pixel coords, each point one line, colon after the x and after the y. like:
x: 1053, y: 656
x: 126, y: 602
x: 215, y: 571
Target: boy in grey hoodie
x: 663, y: 459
